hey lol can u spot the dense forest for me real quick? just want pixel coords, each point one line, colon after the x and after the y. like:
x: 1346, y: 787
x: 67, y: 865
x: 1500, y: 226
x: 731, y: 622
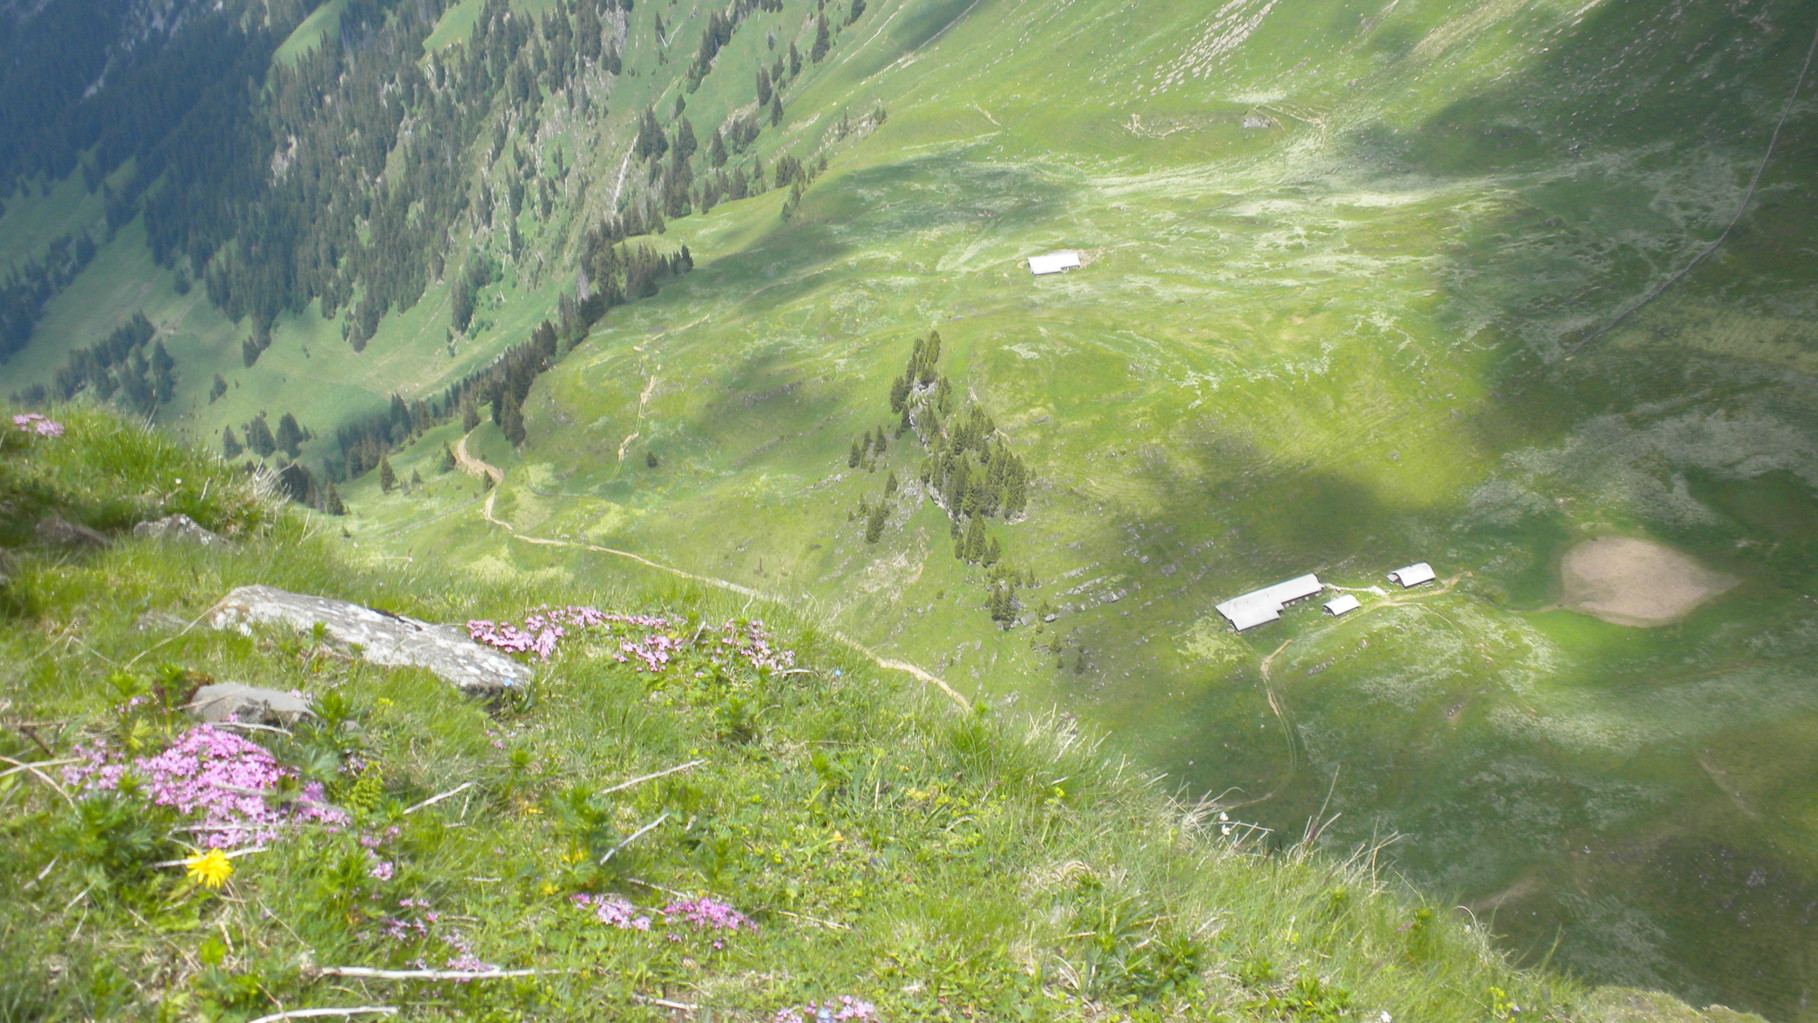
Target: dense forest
x: 353, y: 175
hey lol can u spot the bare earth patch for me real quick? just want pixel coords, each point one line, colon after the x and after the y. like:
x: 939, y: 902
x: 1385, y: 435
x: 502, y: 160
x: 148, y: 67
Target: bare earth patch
x: 1639, y: 583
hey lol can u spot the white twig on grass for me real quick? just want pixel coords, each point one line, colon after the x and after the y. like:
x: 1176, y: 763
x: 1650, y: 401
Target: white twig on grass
x: 39, y: 764
x: 371, y: 973
x: 433, y: 800
x: 357, y: 1010
x: 34, y: 769
x: 621, y: 786
x: 665, y: 1003
x: 634, y: 836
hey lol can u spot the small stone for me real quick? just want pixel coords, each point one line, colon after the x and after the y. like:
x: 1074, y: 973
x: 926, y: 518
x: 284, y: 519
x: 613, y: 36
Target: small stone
x: 234, y: 701
x: 55, y: 531
x: 179, y: 528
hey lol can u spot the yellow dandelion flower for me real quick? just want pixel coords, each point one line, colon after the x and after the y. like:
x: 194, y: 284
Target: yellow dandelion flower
x: 210, y: 869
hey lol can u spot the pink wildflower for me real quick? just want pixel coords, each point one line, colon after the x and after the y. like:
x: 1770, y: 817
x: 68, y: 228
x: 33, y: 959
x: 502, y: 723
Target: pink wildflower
x: 221, y: 776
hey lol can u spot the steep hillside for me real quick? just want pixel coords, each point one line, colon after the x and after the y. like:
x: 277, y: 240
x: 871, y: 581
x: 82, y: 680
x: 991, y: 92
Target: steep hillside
x: 678, y: 811
x: 1409, y: 315
x: 1470, y: 282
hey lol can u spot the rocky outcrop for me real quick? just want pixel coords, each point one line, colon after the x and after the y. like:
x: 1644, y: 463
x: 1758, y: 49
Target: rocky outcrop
x: 236, y: 701
x: 179, y: 528
x: 56, y: 531
x: 1628, y: 1005
x: 380, y: 637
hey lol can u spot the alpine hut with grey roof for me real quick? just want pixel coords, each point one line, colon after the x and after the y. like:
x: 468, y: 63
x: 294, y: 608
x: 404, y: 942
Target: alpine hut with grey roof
x: 1413, y: 575
x: 1260, y: 607
x: 1342, y: 604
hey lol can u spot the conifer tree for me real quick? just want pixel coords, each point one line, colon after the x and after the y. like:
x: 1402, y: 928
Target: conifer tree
x: 852, y: 458
x: 822, y: 41
x: 259, y: 438
x: 290, y: 435
x: 388, y: 478
x: 332, y: 503
x: 975, y: 541
x: 448, y: 457
x: 874, y: 524
x: 513, y: 424
x: 230, y: 444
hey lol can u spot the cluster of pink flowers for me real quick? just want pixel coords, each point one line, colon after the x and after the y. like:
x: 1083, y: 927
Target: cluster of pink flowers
x: 703, y: 914
x: 217, y: 774
x: 752, y: 644
x: 544, y: 629
x: 653, y: 651
x: 614, y: 911
x: 419, y: 920
x: 847, y: 1008
x: 32, y: 422
x: 708, y: 914
x: 648, y: 642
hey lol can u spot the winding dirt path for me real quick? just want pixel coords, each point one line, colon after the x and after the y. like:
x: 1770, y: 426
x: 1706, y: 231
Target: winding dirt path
x: 1413, y: 596
x: 474, y: 466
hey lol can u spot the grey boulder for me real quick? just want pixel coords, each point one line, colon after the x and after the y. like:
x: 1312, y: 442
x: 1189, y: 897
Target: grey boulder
x: 179, y: 528
x: 55, y: 531
x: 235, y: 701
x: 380, y: 637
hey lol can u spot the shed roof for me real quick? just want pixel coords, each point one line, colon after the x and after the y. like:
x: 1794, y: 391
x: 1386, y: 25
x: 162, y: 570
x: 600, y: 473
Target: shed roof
x: 1341, y: 605
x: 1260, y: 607
x: 1053, y: 263
x: 1413, y: 575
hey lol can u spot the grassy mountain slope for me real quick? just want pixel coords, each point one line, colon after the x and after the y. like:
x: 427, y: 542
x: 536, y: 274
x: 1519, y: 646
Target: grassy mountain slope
x: 1363, y: 286
x: 868, y: 839
x: 1368, y: 332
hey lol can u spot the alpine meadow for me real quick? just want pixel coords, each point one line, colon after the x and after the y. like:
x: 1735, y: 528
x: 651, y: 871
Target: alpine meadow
x: 796, y: 510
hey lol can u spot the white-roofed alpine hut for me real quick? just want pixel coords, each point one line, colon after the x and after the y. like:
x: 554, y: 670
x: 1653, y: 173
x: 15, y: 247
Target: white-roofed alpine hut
x: 1260, y: 607
x: 1341, y: 605
x: 1053, y: 263
x: 1413, y: 575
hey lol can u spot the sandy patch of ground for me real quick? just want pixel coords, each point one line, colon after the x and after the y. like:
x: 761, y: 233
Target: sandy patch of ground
x: 1639, y: 583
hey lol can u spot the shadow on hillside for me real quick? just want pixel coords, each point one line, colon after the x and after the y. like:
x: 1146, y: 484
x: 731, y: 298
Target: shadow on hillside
x: 1612, y: 159
x: 904, y: 215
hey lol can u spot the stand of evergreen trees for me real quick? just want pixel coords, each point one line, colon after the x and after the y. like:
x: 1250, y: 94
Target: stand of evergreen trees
x: 967, y: 469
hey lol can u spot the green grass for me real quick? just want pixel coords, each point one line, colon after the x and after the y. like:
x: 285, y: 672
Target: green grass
x: 1337, y: 343
x: 1306, y: 348
x: 936, y: 863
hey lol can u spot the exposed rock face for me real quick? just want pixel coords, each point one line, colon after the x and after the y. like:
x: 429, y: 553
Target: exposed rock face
x: 54, y: 531
x: 378, y: 636
x: 179, y: 528
x: 158, y: 621
x: 236, y: 701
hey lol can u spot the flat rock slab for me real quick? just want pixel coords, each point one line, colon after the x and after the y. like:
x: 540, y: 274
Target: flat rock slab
x: 378, y: 636
x: 180, y: 528
x: 236, y: 701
